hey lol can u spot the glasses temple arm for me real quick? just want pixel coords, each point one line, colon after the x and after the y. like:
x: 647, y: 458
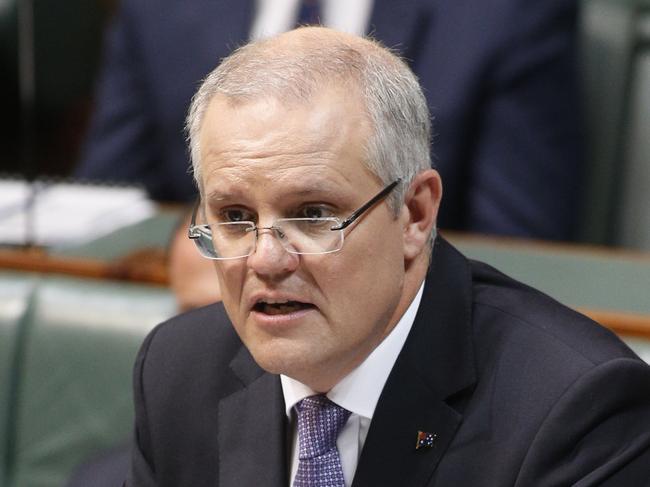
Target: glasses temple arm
x: 357, y: 213
x: 190, y: 234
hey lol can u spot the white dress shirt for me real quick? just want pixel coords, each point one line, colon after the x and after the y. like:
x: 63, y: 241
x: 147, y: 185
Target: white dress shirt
x: 276, y: 16
x: 358, y: 392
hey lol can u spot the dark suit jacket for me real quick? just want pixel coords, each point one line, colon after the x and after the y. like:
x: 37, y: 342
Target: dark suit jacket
x: 519, y: 390
x: 498, y: 75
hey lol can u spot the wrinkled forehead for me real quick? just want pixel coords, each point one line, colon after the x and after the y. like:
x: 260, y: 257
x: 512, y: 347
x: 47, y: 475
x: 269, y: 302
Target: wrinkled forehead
x: 266, y: 132
x: 294, y: 95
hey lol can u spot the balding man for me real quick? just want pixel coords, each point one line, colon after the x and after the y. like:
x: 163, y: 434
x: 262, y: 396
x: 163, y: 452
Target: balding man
x: 354, y: 346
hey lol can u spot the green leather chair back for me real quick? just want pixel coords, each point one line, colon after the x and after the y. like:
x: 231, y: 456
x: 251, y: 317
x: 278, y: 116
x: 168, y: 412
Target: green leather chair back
x: 15, y: 295
x: 75, y: 385
x: 634, y: 211
x: 612, y: 36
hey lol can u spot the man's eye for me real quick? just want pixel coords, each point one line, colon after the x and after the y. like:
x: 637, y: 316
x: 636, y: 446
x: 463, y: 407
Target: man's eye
x: 314, y: 212
x: 235, y: 215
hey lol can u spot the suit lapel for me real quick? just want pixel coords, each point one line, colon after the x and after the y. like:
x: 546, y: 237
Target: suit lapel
x: 252, y: 429
x: 422, y: 392
x: 389, y: 456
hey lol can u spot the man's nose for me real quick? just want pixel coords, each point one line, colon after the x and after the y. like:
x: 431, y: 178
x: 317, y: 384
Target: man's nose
x: 270, y: 258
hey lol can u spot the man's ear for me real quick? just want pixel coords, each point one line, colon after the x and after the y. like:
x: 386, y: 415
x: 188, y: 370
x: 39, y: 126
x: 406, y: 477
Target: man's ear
x: 420, y: 212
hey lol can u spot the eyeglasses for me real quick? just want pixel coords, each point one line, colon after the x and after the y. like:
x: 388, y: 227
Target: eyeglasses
x: 304, y: 236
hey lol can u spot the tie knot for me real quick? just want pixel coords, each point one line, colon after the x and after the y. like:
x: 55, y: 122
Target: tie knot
x: 319, y: 423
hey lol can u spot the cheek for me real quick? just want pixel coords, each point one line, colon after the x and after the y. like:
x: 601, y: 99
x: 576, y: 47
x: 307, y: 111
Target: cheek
x: 378, y: 251
x: 365, y: 278
x: 231, y: 280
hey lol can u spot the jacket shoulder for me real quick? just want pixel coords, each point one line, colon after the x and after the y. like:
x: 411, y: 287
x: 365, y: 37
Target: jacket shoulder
x: 199, y: 343
x: 508, y: 307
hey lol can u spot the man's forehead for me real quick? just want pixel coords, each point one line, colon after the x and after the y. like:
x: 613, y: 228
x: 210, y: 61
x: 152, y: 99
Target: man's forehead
x: 261, y: 142
x: 265, y: 128
x: 294, y: 187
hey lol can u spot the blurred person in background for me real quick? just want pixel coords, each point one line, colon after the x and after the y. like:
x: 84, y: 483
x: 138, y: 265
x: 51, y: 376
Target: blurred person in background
x: 499, y: 76
x: 193, y: 281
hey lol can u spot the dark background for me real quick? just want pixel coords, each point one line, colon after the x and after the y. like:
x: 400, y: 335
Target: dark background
x: 45, y: 138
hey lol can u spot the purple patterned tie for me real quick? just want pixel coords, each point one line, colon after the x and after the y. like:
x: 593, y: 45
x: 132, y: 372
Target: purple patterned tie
x: 319, y: 424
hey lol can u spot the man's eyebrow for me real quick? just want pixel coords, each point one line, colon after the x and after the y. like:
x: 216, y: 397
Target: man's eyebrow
x: 217, y: 196
x: 315, y: 190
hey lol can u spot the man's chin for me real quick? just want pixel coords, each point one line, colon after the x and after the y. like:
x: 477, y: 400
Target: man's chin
x: 277, y: 356
x: 282, y: 356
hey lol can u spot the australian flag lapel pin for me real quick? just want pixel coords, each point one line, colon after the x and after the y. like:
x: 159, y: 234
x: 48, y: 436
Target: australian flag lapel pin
x: 425, y: 440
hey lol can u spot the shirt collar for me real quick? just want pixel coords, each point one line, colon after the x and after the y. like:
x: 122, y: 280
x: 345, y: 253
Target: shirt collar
x: 359, y: 391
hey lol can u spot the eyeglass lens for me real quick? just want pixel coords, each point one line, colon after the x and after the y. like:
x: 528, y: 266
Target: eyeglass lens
x: 297, y: 235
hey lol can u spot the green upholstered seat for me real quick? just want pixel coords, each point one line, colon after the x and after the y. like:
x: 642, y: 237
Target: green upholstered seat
x: 580, y: 280
x: 15, y: 294
x: 640, y: 345
x: 75, y: 383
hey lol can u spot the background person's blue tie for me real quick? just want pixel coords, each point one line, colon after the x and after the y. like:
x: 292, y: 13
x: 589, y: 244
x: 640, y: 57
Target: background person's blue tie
x: 309, y: 13
x: 319, y: 424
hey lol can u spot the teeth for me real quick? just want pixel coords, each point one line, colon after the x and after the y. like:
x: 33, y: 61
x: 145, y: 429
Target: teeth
x: 279, y: 307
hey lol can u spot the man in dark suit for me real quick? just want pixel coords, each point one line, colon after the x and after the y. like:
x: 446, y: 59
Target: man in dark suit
x: 353, y: 346
x: 499, y: 76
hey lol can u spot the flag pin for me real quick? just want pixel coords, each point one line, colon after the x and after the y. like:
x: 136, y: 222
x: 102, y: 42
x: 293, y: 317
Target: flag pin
x: 425, y: 440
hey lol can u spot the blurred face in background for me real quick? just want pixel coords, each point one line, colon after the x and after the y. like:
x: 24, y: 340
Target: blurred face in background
x: 192, y: 278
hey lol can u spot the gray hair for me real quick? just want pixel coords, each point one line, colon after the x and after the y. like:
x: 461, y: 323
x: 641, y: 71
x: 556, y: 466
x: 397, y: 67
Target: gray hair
x: 399, y: 146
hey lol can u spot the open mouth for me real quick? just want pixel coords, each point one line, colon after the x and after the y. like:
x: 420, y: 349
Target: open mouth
x: 281, y: 308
